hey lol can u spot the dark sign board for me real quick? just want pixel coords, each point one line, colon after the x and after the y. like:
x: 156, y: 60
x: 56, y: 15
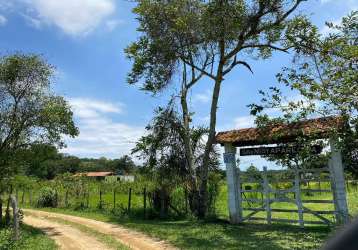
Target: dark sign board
x: 279, y: 150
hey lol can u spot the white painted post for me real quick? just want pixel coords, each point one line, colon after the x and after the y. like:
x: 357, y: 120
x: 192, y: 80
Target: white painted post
x: 15, y: 211
x: 267, y: 195
x: 232, y: 183
x: 298, y: 198
x: 338, y: 184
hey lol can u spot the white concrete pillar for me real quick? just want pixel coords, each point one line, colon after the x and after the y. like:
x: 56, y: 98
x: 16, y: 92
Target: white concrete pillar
x: 232, y: 184
x: 338, y: 183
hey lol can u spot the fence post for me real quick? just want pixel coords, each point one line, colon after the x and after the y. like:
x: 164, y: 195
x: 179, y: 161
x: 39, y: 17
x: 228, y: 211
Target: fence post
x: 239, y: 197
x: 114, y: 198
x: 88, y: 197
x: 267, y: 195
x: 15, y: 217
x: 145, y: 202
x: 100, y: 198
x: 23, y: 197
x: 66, y: 198
x: 298, y: 198
x: 338, y: 184
x: 30, y: 197
x: 129, y: 200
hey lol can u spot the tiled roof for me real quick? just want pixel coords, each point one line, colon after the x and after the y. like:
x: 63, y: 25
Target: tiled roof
x: 97, y: 174
x: 315, y: 128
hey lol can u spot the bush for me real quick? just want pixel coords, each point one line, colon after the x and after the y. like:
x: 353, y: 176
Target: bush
x: 6, y: 239
x: 47, y: 197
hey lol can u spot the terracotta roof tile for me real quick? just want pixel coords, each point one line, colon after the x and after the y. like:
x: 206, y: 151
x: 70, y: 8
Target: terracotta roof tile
x: 97, y: 174
x: 316, y: 128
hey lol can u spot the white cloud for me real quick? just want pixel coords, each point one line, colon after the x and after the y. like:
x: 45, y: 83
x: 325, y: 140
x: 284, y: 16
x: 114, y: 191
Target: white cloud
x: 6, y: 4
x: 3, y: 20
x: 33, y: 21
x: 204, y: 97
x: 100, y: 135
x: 244, y: 122
x: 89, y: 108
x: 74, y: 17
x: 113, y: 24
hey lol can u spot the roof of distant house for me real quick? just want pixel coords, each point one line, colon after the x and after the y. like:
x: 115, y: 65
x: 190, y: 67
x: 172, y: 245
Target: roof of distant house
x: 280, y: 133
x: 95, y: 174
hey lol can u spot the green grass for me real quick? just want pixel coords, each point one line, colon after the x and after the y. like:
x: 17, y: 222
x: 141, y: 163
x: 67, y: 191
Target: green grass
x: 30, y: 239
x: 194, y: 234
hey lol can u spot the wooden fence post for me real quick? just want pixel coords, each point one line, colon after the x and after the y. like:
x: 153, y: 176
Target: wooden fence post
x: 298, y: 198
x: 129, y: 199
x: 87, y: 198
x: 30, y: 197
x: 15, y: 217
x: 114, y: 199
x: 145, y: 202
x: 100, y: 198
x: 239, y: 197
x: 23, y: 197
x: 66, y: 198
x: 267, y: 195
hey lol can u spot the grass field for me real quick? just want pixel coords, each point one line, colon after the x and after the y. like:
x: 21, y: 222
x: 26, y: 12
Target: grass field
x: 30, y: 239
x: 219, y: 234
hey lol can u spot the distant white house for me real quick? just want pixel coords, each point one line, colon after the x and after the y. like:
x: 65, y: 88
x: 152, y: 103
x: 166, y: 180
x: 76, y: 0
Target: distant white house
x: 126, y: 178
x: 107, y: 176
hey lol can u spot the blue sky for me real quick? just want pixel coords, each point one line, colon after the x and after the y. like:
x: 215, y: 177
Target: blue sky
x: 85, y: 40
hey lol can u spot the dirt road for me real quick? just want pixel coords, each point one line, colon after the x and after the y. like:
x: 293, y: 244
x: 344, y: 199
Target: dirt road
x: 66, y: 236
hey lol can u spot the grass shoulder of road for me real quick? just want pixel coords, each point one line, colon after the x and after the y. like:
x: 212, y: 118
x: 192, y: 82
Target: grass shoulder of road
x: 30, y: 239
x: 193, y: 234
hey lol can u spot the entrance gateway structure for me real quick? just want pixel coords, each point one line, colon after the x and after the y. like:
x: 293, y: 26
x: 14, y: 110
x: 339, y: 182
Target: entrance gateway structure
x: 320, y: 128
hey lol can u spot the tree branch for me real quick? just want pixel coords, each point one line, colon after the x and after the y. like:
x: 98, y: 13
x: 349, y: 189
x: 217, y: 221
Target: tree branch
x: 234, y: 63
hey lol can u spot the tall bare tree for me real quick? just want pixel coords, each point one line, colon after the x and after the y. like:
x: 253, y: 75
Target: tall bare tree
x: 211, y: 38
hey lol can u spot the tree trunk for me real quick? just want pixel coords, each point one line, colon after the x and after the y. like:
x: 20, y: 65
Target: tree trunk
x: 203, y: 192
x: 186, y: 121
x: 192, y: 179
x: 7, y: 213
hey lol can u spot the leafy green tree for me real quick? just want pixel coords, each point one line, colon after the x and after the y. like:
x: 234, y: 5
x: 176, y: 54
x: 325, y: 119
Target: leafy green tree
x: 30, y: 113
x: 163, y: 151
x: 208, y: 38
x: 325, y: 74
x: 123, y: 165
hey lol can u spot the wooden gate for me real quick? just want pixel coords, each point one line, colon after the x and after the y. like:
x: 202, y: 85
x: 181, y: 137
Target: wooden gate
x: 261, y: 193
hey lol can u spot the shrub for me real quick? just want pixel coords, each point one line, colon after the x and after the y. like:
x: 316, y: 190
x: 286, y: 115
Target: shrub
x: 47, y: 197
x: 6, y: 239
